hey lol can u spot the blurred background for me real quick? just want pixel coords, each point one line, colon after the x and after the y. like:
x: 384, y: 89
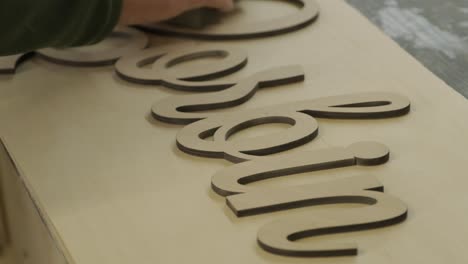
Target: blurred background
x: 434, y: 31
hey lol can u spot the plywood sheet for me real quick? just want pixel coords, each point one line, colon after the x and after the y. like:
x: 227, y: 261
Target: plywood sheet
x: 115, y: 189
x: 29, y: 240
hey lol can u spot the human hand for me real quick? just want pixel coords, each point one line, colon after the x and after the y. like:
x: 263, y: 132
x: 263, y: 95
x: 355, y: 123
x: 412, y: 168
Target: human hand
x: 148, y: 11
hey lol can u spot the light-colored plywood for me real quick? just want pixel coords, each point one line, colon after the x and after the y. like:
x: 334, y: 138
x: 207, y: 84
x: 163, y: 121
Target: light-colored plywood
x: 281, y: 236
x: 299, y: 115
x: 29, y: 238
x: 122, y: 41
x: 115, y: 188
x: 307, y: 13
x: 3, y: 229
x: 235, y: 179
x: 161, y: 59
x: 7, y: 257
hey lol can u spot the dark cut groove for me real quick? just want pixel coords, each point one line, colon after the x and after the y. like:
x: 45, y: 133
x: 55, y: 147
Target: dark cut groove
x: 243, y: 99
x: 287, y: 146
x: 366, y: 115
x: 365, y: 104
x: 296, y: 170
x: 343, y: 199
x: 260, y: 121
x: 329, y: 231
x: 220, y: 37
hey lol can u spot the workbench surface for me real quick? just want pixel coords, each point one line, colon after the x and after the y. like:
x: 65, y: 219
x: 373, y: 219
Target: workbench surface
x: 107, y: 184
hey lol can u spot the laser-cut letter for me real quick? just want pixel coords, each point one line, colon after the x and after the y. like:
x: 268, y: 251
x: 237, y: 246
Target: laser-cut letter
x: 278, y: 237
x: 234, y: 179
x: 308, y: 12
x: 98, y: 54
x: 194, y: 79
x: 300, y: 115
x: 8, y: 64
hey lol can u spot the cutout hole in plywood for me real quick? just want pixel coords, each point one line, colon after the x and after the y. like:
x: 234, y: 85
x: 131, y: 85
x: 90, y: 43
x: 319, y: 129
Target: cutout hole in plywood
x: 193, y: 61
x: 148, y: 62
x: 258, y: 131
x: 366, y: 237
x: 304, y: 178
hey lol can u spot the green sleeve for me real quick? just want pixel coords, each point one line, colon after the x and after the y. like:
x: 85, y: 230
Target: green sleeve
x: 27, y: 25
